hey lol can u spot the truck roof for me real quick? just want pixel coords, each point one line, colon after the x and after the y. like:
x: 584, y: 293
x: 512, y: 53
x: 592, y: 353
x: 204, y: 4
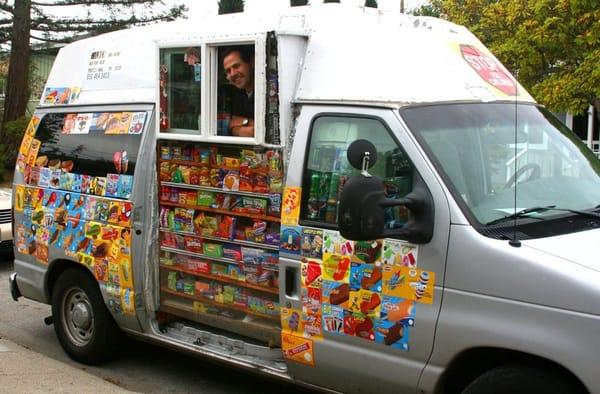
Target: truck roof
x: 353, y: 55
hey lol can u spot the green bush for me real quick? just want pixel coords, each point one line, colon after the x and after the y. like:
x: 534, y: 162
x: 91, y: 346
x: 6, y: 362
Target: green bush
x: 9, y: 144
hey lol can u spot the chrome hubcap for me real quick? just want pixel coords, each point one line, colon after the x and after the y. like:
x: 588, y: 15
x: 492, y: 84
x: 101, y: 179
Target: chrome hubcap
x: 78, y: 317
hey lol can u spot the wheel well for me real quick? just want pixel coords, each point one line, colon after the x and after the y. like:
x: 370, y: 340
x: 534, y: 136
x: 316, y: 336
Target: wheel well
x: 55, y: 270
x: 470, y: 364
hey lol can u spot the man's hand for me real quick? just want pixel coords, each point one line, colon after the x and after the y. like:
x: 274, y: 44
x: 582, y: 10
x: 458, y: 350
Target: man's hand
x: 237, y: 128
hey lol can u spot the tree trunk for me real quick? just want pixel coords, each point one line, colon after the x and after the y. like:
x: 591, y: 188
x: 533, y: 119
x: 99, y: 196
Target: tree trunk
x: 17, y: 89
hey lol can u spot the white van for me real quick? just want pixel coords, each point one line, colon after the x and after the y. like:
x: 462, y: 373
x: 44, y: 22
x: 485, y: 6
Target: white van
x: 336, y: 196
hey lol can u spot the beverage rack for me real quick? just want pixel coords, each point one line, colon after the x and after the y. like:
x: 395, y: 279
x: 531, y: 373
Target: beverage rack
x: 219, y: 218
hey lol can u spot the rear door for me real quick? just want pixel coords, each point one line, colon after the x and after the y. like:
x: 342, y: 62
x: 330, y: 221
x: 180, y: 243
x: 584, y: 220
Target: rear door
x: 356, y: 315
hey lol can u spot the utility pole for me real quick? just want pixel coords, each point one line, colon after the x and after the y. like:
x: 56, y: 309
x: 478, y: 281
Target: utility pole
x: 402, y: 6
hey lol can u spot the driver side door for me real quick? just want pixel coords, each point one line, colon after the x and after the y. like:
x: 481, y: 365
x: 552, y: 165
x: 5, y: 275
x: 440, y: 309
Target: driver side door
x: 356, y: 315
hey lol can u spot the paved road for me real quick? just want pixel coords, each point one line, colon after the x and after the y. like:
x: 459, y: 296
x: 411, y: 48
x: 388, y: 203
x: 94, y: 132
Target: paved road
x: 142, y: 368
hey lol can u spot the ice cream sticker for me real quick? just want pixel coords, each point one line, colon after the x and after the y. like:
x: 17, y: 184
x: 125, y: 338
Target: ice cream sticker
x: 290, y: 320
x: 336, y: 268
x: 392, y: 329
x: 334, y: 243
x: 290, y: 208
x: 408, y: 283
x: 368, y: 252
x: 55, y: 96
x: 311, y: 274
x: 400, y: 253
x: 290, y: 240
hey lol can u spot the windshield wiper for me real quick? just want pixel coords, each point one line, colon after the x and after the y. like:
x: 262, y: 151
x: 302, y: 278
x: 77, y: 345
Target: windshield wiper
x: 521, y: 213
x: 525, y: 212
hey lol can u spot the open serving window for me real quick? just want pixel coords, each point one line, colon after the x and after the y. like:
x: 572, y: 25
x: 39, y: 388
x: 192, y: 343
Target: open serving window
x: 223, y: 92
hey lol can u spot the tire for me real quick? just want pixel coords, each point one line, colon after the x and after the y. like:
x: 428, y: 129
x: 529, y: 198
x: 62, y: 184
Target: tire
x: 84, y: 326
x: 520, y: 379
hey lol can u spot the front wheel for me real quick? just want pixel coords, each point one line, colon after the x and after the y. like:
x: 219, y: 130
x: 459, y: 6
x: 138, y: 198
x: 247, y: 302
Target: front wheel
x: 521, y: 379
x: 84, y: 327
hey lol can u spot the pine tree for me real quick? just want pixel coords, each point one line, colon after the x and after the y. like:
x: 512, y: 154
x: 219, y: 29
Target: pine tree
x: 296, y: 3
x: 31, y: 19
x: 230, y: 6
x: 371, y: 3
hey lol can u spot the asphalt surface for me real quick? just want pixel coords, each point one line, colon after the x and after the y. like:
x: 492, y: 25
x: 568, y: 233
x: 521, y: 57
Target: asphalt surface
x: 141, y: 368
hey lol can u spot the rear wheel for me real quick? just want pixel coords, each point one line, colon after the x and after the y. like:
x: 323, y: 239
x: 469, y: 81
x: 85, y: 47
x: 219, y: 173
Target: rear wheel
x: 521, y: 379
x: 83, y: 324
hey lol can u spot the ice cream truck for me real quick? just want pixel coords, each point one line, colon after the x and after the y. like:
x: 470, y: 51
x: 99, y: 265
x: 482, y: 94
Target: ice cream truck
x: 344, y: 198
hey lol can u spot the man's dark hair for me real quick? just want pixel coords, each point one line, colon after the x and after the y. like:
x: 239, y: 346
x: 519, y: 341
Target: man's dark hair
x: 245, y: 52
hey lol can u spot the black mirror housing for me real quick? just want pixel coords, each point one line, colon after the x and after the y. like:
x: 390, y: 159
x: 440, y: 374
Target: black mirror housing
x: 361, y: 211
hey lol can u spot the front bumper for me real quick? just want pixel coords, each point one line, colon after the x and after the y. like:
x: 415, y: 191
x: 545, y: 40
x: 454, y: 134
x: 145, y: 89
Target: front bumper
x: 14, y: 288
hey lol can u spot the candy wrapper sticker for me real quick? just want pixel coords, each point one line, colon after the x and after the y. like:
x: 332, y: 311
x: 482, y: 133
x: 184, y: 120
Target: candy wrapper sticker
x: 298, y: 349
x: 336, y: 268
x: 311, y: 274
x: 409, y: 283
x: 366, y: 276
x: 397, y: 315
x: 400, y: 253
x: 312, y: 243
x: 290, y: 207
x: 333, y: 319
x: 334, y: 243
x: 290, y: 320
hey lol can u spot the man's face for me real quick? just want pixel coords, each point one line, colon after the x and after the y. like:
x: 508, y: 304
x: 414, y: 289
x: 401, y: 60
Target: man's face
x: 238, y: 72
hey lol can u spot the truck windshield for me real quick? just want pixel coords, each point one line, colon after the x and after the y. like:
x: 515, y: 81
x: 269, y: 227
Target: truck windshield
x: 485, y: 150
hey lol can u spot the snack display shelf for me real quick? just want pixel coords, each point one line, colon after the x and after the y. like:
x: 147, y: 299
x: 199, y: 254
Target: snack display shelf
x: 200, y: 164
x: 219, y: 239
x: 215, y: 189
x: 203, y: 256
x: 221, y: 211
x: 218, y: 304
x: 224, y: 279
x: 262, y: 330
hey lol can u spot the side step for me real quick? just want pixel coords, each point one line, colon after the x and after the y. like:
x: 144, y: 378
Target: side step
x: 236, y: 348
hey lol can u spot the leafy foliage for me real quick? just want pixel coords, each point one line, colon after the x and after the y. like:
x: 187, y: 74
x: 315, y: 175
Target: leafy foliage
x: 427, y: 10
x: 552, y: 46
x: 230, y: 6
x: 371, y: 3
x: 297, y: 3
x: 22, y: 21
x: 9, y: 146
x: 108, y: 15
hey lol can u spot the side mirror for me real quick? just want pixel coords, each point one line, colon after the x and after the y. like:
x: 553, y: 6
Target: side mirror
x: 363, y: 203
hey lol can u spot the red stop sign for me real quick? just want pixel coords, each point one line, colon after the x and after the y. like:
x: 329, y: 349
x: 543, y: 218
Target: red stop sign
x: 489, y: 69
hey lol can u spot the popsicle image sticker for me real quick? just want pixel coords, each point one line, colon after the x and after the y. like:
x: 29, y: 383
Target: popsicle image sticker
x: 408, y: 283
x: 400, y: 253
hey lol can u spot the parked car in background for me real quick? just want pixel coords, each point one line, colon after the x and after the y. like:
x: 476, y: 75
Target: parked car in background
x: 6, y: 238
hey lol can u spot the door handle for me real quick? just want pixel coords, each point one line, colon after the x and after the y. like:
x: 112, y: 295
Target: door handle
x: 291, y: 282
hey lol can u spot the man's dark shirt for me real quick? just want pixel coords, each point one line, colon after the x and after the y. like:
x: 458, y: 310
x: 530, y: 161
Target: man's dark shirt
x: 242, y: 104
